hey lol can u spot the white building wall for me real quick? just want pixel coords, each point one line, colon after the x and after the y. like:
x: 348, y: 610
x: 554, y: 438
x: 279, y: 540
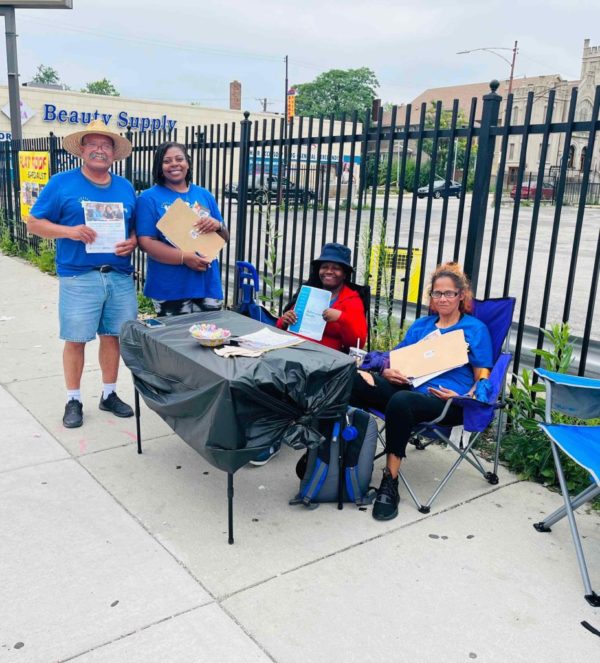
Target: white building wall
x: 64, y: 111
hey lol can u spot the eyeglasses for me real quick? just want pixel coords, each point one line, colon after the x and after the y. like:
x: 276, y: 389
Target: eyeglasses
x: 106, y: 146
x: 448, y: 294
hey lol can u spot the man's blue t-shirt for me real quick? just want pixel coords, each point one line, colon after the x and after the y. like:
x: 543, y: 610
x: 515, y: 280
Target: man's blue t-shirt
x: 477, y: 336
x: 172, y: 282
x: 60, y: 201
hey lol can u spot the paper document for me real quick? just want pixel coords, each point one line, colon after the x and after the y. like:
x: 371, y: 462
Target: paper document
x: 309, y: 308
x: 433, y: 355
x: 265, y: 339
x: 108, y: 220
x: 417, y: 382
x: 178, y: 225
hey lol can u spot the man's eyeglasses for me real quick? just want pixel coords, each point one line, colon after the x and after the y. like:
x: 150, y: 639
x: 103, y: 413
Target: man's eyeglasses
x: 448, y: 294
x: 107, y: 146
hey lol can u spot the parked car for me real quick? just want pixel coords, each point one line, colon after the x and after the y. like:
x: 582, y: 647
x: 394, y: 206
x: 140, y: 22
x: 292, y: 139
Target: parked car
x: 274, y: 187
x: 440, y: 189
x: 528, y: 191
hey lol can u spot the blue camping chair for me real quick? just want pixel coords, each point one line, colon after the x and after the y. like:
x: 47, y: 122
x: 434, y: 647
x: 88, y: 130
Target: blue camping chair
x: 577, y: 397
x: 249, y: 286
x: 478, y: 414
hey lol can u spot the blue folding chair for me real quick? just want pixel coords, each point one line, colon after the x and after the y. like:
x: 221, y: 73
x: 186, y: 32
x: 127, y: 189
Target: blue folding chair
x: 497, y: 315
x: 249, y: 286
x: 577, y: 397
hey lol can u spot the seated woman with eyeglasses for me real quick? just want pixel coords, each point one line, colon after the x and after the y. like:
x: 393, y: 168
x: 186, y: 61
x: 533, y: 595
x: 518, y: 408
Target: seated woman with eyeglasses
x: 389, y: 390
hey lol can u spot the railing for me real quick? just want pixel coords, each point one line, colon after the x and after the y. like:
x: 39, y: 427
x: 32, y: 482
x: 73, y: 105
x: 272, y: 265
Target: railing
x: 356, y: 181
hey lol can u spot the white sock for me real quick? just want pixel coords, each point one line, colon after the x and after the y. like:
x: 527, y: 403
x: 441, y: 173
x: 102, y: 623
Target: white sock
x: 73, y: 395
x: 107, y: 390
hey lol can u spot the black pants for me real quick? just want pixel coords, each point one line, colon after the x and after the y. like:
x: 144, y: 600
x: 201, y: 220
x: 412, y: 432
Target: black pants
x: 183, y: 306
x: 403, y: 409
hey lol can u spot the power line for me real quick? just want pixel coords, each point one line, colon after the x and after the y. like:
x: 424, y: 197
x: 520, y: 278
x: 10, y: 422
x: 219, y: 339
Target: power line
x: 151, y: 42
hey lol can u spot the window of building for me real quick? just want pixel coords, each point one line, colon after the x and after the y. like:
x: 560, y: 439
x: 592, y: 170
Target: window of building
x: 584, y: 111
x: 571, y: 156
x: 511, y: 151
x: 582, y: 158
x: 515, y: 115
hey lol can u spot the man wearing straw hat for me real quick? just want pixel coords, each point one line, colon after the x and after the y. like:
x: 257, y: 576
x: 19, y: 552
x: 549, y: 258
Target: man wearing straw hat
x: 93, y: 259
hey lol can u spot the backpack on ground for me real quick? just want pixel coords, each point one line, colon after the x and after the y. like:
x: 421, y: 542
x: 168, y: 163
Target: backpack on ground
x: 320, y: 481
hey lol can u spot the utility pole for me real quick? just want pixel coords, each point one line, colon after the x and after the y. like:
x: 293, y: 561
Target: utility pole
x: 492, y: 50
x: 12, y: 67
x: 264, y: 102
x: 512, y: 67
x: 13, y: 72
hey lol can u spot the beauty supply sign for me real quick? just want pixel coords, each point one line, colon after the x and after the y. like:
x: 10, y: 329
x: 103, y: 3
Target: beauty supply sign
x: 121, y: 119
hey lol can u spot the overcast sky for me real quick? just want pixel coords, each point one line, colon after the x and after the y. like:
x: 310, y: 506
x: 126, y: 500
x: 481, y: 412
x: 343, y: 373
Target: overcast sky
x: 189, y: 50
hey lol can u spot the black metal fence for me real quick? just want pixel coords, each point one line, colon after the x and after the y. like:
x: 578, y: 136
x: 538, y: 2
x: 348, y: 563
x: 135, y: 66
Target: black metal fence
x: 286, y: 189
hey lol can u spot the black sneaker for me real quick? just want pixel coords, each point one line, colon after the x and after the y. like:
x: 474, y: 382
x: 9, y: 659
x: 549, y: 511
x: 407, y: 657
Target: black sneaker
x: 115, y: 405
x: 385, y: 506
x: 73, y: 416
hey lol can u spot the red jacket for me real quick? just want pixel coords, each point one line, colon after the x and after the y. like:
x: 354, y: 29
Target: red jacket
x: 352, y: 325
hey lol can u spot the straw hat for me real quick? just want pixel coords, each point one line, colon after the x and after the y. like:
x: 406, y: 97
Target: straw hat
x: 72, y: 142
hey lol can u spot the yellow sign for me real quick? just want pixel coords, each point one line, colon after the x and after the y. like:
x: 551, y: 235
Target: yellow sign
x: 383, y: 264
x: 34, y: 172
x: 291, y: 106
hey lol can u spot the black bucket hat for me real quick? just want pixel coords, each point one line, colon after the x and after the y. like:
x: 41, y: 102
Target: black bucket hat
x: 334, y: 252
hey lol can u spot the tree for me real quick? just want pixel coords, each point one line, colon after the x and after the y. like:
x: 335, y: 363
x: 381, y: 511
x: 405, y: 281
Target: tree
x: 443, y: 146
x: 101, y: 87
x: 336, y: 92
x: 46, y: 75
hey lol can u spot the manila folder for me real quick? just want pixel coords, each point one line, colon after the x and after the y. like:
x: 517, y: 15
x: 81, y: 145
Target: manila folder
x: 178, y: 226
x: 435, y: 354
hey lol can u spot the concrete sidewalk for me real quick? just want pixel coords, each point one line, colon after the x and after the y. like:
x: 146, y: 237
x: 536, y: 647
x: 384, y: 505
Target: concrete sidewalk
x: 110, y: 556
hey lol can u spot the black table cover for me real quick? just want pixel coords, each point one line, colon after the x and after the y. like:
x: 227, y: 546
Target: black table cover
x: 231, y: 409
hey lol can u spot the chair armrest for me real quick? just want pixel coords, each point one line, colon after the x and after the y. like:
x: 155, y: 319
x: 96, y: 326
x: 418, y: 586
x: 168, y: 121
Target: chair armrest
x: 576, y: 381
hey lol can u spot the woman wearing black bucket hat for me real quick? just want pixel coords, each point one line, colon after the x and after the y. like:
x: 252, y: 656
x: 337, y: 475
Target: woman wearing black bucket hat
x: 346, y: 321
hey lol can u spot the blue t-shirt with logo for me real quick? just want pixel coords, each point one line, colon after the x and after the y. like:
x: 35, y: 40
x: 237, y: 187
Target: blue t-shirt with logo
x: 172, y: 282
x: 60, y: 201
x: 480, y: 355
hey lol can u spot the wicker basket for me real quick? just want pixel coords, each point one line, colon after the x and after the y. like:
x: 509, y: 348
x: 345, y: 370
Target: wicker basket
x: 210, y: 342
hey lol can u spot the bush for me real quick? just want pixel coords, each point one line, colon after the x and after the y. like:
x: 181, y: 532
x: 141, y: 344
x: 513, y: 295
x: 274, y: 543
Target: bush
x: 45, y: 259
x: 145, y: 305
x: 7, y: 246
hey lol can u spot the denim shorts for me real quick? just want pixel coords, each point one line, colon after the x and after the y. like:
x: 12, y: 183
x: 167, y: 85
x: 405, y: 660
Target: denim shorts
x: 95, y: 303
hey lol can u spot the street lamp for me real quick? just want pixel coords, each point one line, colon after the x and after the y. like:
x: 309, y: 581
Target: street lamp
x: 493, y: 50
x: 7, y: 9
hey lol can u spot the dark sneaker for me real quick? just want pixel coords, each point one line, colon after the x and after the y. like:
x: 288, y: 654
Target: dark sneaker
x: 115, y: 405
x: 266, y: 456
x: 385, y: 506
x: 73, y: 416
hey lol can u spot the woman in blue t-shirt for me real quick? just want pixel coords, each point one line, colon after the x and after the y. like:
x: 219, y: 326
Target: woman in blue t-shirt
x: 178, y: 281
x: 389, y: 390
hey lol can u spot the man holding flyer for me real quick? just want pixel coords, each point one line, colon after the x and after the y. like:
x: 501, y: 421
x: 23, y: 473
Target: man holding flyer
x: 89, y: 211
